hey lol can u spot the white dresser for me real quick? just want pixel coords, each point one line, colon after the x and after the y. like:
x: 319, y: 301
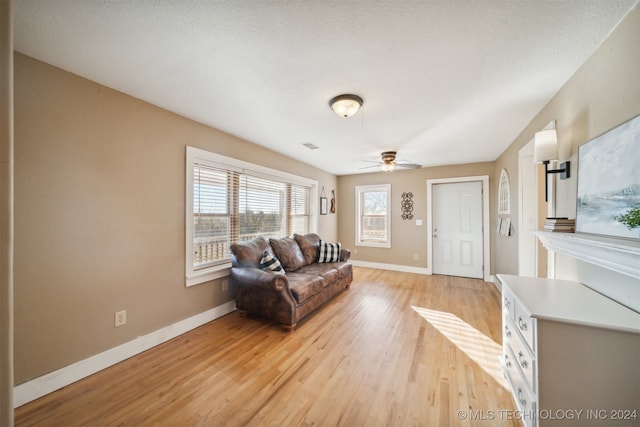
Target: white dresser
x: 571, y: 356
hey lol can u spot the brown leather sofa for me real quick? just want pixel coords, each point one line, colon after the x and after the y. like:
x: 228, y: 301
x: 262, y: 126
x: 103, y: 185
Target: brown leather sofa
x: 286, y: 298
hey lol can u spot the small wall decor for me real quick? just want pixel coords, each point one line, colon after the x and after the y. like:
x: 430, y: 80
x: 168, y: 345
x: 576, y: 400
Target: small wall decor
x: 407, y: 206
x: 332, y: 209
x: 504, y: 194
x: 505, y: 227
x: 324, y: 205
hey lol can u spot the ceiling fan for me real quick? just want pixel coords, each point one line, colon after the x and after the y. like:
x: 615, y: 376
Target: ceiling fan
x: 389, y: 162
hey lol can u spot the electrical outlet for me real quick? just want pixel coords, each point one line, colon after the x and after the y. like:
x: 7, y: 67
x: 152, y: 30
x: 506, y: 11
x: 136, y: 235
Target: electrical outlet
x: 225, y: 285
x: 416, y: 257
x: 121, y: 318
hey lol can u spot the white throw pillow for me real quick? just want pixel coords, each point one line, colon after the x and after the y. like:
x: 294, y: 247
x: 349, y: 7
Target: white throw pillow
x: 270, y: 262
x: 329, y: 252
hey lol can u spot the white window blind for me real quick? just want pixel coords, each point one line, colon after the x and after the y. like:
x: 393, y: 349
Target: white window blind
x: 212, y: 215
x: 262, y: 208
x: 230, y: 203
x: 300, y: 209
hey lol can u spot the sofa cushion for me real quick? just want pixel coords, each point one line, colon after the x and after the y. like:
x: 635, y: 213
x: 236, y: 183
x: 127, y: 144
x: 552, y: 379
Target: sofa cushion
x: 288, y: 252
x: 345, y: 269
x: 329, y: 252
x: 304, y: 286
x: 328, y: 272
x: 249, y: 253
x: 270, y: 262
x: 309, y: 246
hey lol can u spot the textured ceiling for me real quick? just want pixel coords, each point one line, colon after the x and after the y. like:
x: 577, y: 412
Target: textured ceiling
x: 443, y: 82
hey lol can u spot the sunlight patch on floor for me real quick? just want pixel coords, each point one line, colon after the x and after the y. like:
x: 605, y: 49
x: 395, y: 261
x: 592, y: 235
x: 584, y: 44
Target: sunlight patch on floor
x: 479, y: 347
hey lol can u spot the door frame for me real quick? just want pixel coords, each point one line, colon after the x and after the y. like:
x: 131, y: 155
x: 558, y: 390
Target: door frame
x: 486, y: 235
x: 527, y: 195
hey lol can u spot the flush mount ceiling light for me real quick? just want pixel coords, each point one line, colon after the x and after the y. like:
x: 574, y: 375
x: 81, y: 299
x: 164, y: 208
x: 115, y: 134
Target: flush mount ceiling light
x: 345, y: 105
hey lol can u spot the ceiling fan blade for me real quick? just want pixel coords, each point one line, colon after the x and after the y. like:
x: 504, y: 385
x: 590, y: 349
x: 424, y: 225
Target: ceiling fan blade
x: 372, y: 166
x: 409, y: 165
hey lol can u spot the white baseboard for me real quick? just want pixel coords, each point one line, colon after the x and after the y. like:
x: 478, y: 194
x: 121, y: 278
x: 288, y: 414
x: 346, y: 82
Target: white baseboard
x: 392, y: 267
x: 38, y: 387
x: 404, y: 268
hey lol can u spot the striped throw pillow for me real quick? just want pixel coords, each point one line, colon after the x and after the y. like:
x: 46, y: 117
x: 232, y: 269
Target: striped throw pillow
x: 270, y: 262
x: 329, y: 252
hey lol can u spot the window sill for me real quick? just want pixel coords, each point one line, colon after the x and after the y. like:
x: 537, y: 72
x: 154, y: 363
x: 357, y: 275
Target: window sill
x: 386, y: 245
x: 198, y: 277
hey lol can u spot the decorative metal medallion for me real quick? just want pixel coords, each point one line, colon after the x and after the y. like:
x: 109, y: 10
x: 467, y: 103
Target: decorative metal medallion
x: 407, y: 205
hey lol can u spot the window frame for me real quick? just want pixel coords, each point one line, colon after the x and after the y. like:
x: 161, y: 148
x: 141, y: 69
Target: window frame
x: 360, y: 190
x: 195, y: 156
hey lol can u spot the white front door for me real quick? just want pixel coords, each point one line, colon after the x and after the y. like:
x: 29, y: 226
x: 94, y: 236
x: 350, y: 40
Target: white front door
x: 457, y: 229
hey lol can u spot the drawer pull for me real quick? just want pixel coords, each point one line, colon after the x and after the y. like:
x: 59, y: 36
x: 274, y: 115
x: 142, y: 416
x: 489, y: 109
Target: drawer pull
x: 507, y: 303
x: 522, y: 360
x: 522, y: 324
x: 507, y: 363
x: 522, y: 400
x: 507, y: 332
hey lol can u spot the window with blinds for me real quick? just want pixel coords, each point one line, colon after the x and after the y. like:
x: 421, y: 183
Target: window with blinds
x: 230, y: 202
x: 373, y: 218
x: 212, y: 215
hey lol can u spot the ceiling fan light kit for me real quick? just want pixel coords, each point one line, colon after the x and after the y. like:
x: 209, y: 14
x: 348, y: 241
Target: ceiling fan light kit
x: 388, y: 167
x: 346, y: 105
x: 388, y: 161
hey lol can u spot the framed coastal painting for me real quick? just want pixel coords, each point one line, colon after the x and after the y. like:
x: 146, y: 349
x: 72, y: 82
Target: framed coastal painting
x: 608, y: 201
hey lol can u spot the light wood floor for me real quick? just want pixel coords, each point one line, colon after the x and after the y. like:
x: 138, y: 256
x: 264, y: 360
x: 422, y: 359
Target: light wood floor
x: 397, y: 349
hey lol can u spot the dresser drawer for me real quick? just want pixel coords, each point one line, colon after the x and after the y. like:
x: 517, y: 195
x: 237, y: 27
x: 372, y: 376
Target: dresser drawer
x: 522, y: 356
x: 508, y: 330
x: 509, y: 363
x: 522, y: 395
x: 508, y: 303
x: 526, y: 325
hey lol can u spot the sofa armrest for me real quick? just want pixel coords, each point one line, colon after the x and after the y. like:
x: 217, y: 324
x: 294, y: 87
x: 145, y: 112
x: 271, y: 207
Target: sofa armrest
x: 264, y: 293
x: 345, y: 254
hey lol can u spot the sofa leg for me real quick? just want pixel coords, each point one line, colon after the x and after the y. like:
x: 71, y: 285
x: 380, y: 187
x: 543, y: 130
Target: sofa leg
x: 289, y: 328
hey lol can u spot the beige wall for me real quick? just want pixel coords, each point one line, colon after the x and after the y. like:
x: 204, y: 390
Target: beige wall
x: 6, y: 214
x: 603, y: 93
x: 100, y: 216
x: 407, y: 239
